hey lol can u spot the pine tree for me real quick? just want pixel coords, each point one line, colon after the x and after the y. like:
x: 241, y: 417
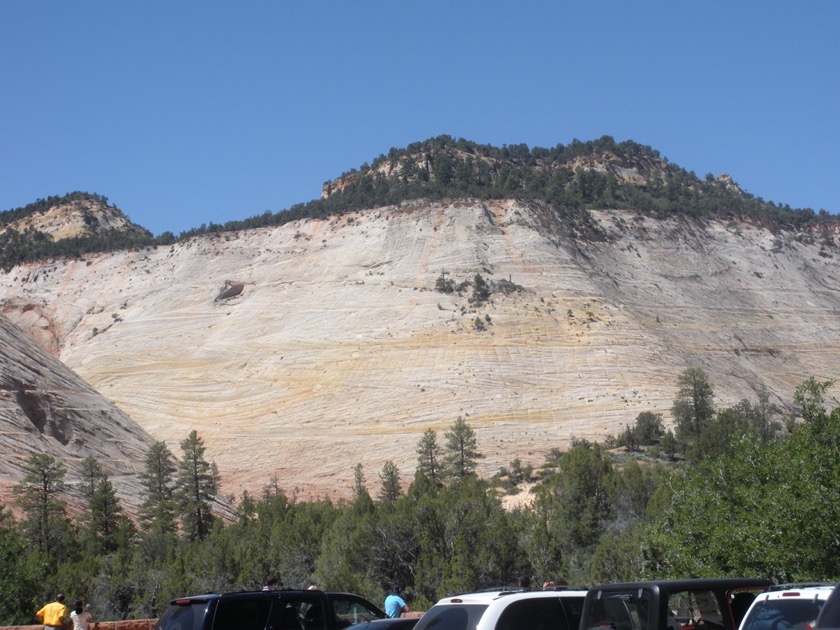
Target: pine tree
x: 196, y: 488
x: 157, y: 512
x: 38, y: 497
x: 104, y: 514
x: 106, y: 517
x: 92, y: 474
x: 429, y: 461
x: 362, y: 501
x: 461, y: 450
x: 693, y: 407
x: 390, y: 479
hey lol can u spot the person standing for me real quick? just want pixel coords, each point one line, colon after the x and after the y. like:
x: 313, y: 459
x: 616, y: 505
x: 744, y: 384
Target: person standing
x: 81, y: 616
x: 395, y: 605
x: 54, y: 614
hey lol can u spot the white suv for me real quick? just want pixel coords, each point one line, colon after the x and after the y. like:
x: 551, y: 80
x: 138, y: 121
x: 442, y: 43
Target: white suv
x: 506, y: 610
x: 786, y: 607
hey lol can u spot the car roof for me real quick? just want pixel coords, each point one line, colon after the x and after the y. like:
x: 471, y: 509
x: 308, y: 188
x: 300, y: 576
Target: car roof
x: 793, y: 591
x: 686, y: 584
x: 266, y: 593
x: 488, y: 597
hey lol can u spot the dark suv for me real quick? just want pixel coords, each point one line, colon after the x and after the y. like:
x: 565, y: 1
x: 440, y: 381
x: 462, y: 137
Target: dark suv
x: 695, y: 604
x: 283, y: 609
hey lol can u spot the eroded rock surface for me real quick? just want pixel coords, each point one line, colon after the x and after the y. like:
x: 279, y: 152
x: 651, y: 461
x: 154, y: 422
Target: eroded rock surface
x: 46, y: 408
x: 340, y: 351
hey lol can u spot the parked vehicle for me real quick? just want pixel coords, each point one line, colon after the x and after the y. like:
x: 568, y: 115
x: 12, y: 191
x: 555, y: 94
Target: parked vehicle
x: 696, y: 604
x: 283, y: 609
x: 829, y: 618
x: 787, y: 607
x: 506, y: 610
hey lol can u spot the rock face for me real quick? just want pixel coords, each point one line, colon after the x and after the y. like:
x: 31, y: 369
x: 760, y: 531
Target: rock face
x: 46, y: 408
x: 335, y: 348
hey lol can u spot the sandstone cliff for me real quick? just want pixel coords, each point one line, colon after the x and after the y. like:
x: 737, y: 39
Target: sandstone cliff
x: 334, y: 348
x: 46, y: 408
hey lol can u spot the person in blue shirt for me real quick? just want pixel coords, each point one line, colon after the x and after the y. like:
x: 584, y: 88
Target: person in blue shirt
x: 394, y: 604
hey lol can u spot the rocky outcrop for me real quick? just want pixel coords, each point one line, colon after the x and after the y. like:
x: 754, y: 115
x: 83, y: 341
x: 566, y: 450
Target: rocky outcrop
x: 47, y: 408
x: 230, y: 289
x: 342, y: 351
x: 74, y: 215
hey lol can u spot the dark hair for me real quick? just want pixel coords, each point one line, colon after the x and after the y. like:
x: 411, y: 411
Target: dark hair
x: 80, y: 606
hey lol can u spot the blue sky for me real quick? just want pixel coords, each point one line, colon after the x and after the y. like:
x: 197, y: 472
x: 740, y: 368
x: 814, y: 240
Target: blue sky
x: 187, y: 112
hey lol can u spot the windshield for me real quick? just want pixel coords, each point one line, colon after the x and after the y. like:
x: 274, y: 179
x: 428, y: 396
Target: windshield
x: 694, y: 609
x: 463, y: 617
x: 183, y: 616
x: 783, y: 614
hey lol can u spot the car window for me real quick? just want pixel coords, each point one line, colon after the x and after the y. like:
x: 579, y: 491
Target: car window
x: 247, y: 614
x: 620, y: 611
x: 538, y: 614
x: 350, y: 611
x: 311, y: 615
x: 574, y: 609
x: 451, y: 617
x: 694, y: 609
x: 183, y: 617
x: 298, y: 613
x: 783, y: 614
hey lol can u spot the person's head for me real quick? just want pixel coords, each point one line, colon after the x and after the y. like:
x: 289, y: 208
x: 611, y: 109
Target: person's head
x: 524, y: 581
x: 80, y: 606
x: 59, y: 597
x: 271, y: 583
x: 395, y: 588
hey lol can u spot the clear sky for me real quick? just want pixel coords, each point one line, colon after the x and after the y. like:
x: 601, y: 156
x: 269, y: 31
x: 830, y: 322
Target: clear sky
x: 186, y: 112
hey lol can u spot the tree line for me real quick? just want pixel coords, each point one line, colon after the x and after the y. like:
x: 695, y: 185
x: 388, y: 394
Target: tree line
x: 745, y: 490
x: 447, y: 168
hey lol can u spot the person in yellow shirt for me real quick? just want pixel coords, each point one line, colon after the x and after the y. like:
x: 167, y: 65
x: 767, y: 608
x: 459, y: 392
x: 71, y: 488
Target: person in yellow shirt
x: 54, y: 614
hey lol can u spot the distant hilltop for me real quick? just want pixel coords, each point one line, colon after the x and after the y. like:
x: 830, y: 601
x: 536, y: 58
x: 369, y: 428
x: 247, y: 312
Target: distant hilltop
x: 74, y: 215
x: 599, y: 174
x: 571, y: 180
